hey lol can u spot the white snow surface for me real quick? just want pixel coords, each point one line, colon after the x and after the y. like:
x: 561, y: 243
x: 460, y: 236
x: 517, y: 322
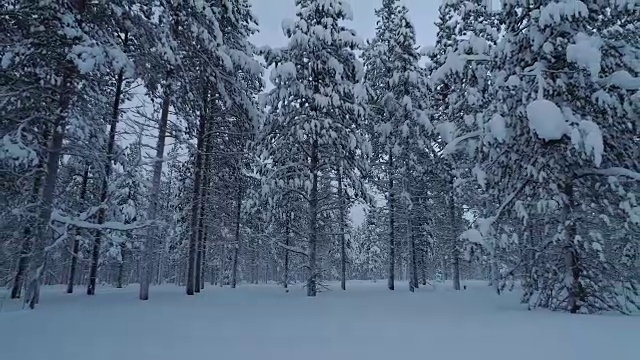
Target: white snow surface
x: 547, y: 120
x: 263, y: 322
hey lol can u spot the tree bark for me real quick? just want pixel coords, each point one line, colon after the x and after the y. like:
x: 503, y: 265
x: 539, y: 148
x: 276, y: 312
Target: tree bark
x: 343, y: 246
x: 76, y: 239
x: 104, y: 189
x: 195, y: 205
x: 453, y: 219
x: 392, y: 240
x: 236, y: 250
x: 287, y: 242
x: 313, y: 221
x: 572, y: 268
x: 147, y: 253
x: 46, y: 206
x: 414, y: 260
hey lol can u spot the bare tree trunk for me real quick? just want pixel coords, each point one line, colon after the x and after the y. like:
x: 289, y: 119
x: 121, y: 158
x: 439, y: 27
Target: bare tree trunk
x: 343, y: 229
x: 313, y: 221
x: 414, y: 260
x: 104, y: 189
x: 147, y: 253
x: 454, y: 238
x: 46, y: 206
x: 203, y: 265
x: 196, y: 205
x: 423, y: 265
x: 120, y: 276
x: 392, y: 240
x: 236, y: 250
x: 287, y: 240
x: 76, y: 239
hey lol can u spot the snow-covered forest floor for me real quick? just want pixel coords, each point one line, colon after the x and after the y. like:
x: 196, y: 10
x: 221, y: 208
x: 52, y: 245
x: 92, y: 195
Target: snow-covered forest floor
x: 263, y: 322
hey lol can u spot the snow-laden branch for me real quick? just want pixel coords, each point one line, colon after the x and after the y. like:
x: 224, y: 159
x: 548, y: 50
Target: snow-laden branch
x: 453, y: 144
x: 109, y: 225
x: 293, y: 249
x: 614, y: 171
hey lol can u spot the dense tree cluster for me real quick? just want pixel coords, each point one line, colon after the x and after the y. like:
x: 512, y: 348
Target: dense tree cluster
x: 138, y: 145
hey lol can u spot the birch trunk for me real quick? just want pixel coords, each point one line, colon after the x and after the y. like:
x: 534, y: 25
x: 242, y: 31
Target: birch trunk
x: 147, y: 253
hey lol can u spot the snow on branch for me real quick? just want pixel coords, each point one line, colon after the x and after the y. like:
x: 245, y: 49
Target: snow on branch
x: 293, y: 249
x: 453, y: 144
x: 109, y: 225
x: 614, y: 171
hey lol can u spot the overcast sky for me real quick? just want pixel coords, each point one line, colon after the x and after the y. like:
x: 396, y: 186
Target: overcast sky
x: 270, y: 14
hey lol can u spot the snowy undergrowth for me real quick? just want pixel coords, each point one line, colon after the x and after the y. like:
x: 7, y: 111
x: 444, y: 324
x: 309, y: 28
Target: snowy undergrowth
x: 262, y: 322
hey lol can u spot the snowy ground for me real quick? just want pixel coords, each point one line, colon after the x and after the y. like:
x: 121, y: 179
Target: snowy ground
x: 262, y: 322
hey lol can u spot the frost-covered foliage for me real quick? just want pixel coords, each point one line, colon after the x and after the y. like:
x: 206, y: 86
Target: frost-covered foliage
x: 314, y: 117
x: 557, y: 151
x: 398, y: 120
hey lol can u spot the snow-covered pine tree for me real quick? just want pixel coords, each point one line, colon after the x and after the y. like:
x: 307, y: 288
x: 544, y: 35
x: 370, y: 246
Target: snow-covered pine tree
x: 314, y: 113
x: 397, y: 104
x: 467, y: 32
x: 557, y: 147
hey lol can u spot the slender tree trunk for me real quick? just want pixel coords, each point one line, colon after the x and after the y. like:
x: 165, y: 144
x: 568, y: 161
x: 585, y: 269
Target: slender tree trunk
x: 343, y: 229
x: 147, y: 253
x: 454, y: 238
x: 76, y: 239
x: 392, y: 240
x: 25, y: 249
x: 313, y: 221
x: 236, y: 250
x: 574, y: 288
x: 195, y: 205
x: 104, y: 189
x: 27, y: 242
x: 46, y: 206
x: 120, y: 278
x: 423, y: 266
x: 287, y: 242
x: 203, y: 265
x: 414, y: 260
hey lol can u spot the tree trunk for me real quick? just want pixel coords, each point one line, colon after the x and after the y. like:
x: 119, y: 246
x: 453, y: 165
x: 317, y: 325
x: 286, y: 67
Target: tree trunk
x: 120, y: 278
x: 76, y: 239
x: 414, y: 260
x: 313, y: 221
x: 423, y: 266
x: 147, y: 253
x: 572, y: 268
x: 236, y: 250
x: 27, y: 242
x: 287, y: 242
x: 195, y: 205
x: 454, y: 238
x: 343, y: 229
x: 104, y: 189
x: 46, y: 206
x: 392, y: 240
